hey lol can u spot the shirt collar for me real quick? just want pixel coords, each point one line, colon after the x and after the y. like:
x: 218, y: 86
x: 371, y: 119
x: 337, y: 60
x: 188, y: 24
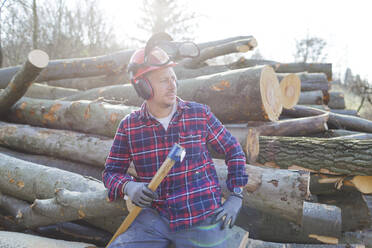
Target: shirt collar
x: 144, y: 114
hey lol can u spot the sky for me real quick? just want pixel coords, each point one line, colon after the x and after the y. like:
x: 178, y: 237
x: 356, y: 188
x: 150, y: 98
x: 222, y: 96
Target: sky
x: 346, y: 26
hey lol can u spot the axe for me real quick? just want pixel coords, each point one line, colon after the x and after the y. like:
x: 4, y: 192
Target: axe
x: 176, y: 154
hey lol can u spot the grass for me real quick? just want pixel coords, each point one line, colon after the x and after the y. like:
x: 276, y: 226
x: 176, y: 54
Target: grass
x: 353, y: 101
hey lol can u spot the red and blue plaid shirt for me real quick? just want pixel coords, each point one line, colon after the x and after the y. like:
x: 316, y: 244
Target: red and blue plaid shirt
x: 191, y: 191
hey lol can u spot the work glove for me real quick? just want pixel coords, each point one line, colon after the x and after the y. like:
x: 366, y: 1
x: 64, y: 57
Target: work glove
x: 230, y: 209
x: 140, y: 194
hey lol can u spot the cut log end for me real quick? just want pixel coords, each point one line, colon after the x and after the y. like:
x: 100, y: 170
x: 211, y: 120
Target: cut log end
x: 38, y: 58
x: 290, y: 87
x: 270, y: 94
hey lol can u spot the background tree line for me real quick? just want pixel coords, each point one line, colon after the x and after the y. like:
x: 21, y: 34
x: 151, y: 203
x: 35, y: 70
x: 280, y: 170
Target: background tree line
x: 67, y: 29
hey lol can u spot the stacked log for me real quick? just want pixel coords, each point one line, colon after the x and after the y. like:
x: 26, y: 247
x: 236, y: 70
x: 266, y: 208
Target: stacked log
x: 305, y: 181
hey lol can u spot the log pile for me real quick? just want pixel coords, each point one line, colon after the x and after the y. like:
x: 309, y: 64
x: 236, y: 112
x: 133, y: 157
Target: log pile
x: 310, y: 169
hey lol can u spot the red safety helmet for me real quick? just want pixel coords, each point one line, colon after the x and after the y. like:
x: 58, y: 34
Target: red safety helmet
x: 141, y: 63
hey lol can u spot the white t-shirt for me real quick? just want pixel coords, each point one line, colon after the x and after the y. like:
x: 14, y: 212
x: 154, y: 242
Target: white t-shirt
x: 165, y: 120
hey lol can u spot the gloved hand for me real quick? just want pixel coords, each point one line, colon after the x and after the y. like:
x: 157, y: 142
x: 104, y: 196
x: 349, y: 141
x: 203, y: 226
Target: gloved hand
x: 230, y: 209
x: 140, y: 194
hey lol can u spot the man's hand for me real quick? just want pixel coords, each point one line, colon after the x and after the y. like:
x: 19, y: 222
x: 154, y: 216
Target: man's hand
x: 230, y: 209
x: 140, y: 194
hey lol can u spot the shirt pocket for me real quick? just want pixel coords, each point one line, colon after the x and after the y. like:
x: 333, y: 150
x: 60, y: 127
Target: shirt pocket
x: 193, y: 142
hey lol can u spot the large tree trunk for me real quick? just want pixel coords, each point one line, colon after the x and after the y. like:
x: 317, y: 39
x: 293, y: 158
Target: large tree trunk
x: 286, y: 190
x: 351, y: 112
x: 37, y: 60
x: 62, y: 144
x: 43, y: 91
x: 248, y: 135
x: 91, y: 82
x: 236, y: 46
x: 67, y: 165
x: 306, y: 77
x: 325, y: 68
x: 60, y: 196
x: 73, y: 68
x: 355, y: 212
x: 85, y: 116
x: 311, y: 97
x: 286, y: 68
x: 335, y: 120
x: 246, y: 94
x: 273, y: 228
x: 336, y: 100
x: 316, y: 154
x: 185, y: 73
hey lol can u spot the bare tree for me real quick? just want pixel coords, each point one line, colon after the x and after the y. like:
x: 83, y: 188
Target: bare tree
x: 166, y: 16
x: 63, y: 31
x: 2, y: 7
x: 35, y: 33
x: 310, y: 49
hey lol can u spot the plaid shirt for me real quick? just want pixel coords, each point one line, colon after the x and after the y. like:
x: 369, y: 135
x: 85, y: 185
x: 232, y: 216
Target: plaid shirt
x: 191, y: 191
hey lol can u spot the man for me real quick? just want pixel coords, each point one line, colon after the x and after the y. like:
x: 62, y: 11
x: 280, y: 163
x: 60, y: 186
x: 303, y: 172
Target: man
x: 186, y: 208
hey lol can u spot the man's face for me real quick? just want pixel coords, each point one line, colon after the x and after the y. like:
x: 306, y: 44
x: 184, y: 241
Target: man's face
x: 163, y: 83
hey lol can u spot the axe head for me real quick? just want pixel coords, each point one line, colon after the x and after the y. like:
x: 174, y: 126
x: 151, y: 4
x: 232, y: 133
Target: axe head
x: 177, y: 153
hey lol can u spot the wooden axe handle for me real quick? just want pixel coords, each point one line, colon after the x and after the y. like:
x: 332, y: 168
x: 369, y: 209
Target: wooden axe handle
x: 155, y: 181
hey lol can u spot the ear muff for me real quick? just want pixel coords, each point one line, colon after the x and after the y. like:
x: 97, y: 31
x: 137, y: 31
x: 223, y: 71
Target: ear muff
x: 143, y: 88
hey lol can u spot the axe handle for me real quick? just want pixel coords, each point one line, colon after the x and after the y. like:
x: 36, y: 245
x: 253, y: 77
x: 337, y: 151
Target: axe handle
x: 155, y: 181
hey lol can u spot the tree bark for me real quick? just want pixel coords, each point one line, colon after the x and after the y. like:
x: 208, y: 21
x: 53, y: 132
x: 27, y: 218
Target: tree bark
x: 75, y: 232
x: 16, y: 240
x: 311, y: 86
x: 363, y: 136
x: 248, y: 135
x: 286, y: 190
x: 336, y: 100
x: 246, y: 94
x: 78, y: 168
x: 273, y: 228
x: 335, y: 120
x: 351, y: 112
x: 340, y: 132
x: 185, y: 73
x: 325, y: 68
x: 43, y: 91
x: 37, y: 60
x: 321, y: 220
x: 236, y: 46
x: 23, y: 213
x: 355, y: 212
x: 61, y: 196
x: 73, y: 68
x: 290, y: 87
x: 351, y: 157
x: 91, y: 82
x: 21, y: 179
x: 84, y: 116
x: 62, y: 144
x: 311, y: 97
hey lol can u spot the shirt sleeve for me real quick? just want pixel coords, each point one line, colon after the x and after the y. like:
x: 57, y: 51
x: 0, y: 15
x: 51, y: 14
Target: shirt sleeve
x: 117, y: 163
x: 223, y: 142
